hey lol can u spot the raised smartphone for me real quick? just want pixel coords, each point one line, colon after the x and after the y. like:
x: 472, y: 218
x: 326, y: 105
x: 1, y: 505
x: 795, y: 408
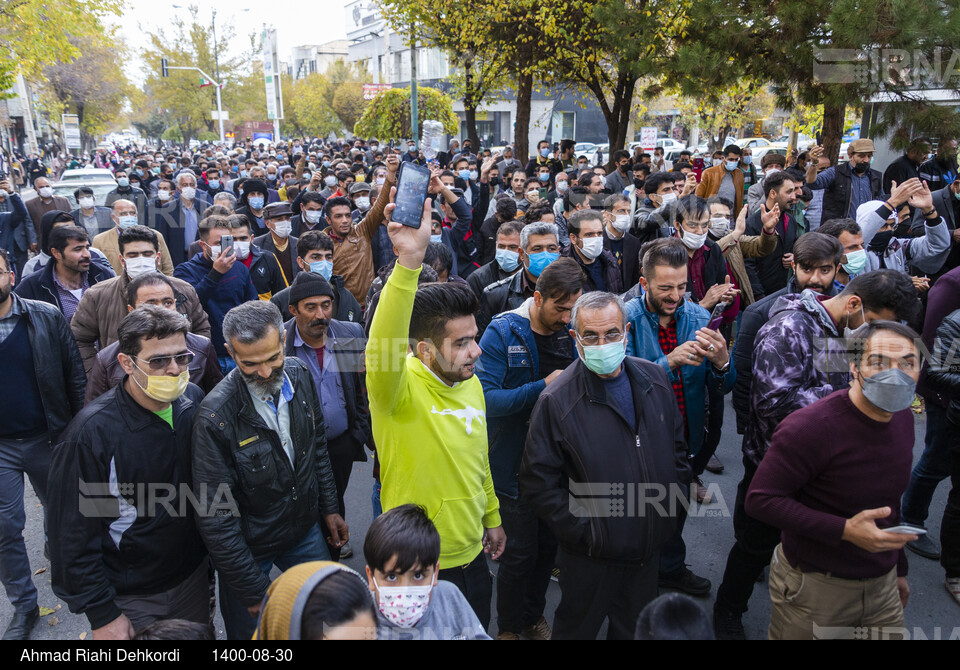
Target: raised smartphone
x: 226, y: 245
x: 412, y: 185
x: 716, y: 316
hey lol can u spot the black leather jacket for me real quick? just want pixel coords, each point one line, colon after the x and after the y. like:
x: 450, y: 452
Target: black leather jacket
x: 277, y: 503
x: 57, y: 362
x: 577, y: 435
x: 943, y: 373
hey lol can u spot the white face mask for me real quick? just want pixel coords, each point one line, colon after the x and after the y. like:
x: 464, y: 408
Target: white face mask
x: 86, y: 202
x: 381, y: 181
x: 592, y: 247
x: 668, y: 198
x: 188, y: 192
x: 45, y: 192
x: 312, y: 216
x: 363, y: 204
x: 718, y: 226
x: 242, y: 249
x: 330, y: 181
x: 164, y: 195
x: 692, y: 241
x: 139, y: 266
x: 215, y: 252
x: 282, y: 228
x: 562, y: 186
x: 621, y: 222
x: 771, y: 170
x: 403, y: 606
x: 531, y: 194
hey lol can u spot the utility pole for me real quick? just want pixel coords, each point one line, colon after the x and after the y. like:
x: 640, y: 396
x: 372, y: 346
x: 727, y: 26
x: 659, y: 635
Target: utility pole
x: 164, y: 71
x: 216, y: 65
x: 414, y: 132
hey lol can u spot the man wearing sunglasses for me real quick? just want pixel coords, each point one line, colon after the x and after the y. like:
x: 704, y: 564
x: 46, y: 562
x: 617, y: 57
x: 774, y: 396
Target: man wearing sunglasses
x: 125, y: 550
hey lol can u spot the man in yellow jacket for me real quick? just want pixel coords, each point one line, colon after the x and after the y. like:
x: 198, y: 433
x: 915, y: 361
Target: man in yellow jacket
x: 429, y: 417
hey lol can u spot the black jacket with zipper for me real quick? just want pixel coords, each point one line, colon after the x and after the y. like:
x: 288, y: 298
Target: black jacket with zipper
x: 278, y: 503
x: 577, y: 435
x: 112, y: 453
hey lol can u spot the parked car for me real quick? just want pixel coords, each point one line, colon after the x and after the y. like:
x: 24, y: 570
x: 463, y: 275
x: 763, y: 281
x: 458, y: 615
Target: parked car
x: 760, y: 152
x: 752, y: 142
x: 585, y: 149
x: 86, y: 174
x: 101, y: 187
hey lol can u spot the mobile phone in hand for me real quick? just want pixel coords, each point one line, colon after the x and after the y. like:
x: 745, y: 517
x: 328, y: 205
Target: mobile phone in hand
x: 226, y: 245
x: 716, y: 316
x: 412, y: 186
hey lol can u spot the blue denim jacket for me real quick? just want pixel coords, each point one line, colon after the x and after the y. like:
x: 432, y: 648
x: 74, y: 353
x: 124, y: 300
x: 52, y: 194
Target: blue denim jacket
x: 509, y: 371
x: 644, y: 342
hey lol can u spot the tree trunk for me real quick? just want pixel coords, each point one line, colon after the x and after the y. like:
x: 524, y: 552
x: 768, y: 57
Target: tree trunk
x: 832, y: 133
x: 618, y: 117
x: 521, y: 133
x: 470, y: 106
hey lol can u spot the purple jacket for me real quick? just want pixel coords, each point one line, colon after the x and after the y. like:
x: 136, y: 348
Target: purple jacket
x: 796, y: 361
x: 943, y: 299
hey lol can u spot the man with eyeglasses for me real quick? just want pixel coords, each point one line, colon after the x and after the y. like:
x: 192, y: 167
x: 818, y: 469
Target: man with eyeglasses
x: 125, y: 550
x: 153, y: 288
x: 607, y: 421
x: 672, y: 331
x: 42, y: 390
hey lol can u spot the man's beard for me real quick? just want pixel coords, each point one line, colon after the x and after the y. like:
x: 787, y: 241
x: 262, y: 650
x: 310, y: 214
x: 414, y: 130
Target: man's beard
x: 5, y: 293
x: 266, y: 387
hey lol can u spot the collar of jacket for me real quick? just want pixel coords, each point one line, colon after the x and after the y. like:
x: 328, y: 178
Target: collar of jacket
x: 597, y: 391
x: 238, y: 387
x: 94, y: 275
x: 137, y: 417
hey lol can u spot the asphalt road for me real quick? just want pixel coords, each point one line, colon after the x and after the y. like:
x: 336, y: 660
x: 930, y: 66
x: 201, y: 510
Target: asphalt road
x: 931, y: 612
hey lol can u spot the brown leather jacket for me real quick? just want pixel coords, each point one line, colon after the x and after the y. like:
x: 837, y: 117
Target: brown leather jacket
x: 710, y: 182
x: 104, y: 305
x: 353, y: 255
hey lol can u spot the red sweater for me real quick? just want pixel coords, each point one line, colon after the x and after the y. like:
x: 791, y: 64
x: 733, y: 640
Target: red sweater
x: 828, y: 462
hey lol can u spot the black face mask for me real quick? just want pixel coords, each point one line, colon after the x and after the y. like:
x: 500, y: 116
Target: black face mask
x: 638, y: 184
x: 880, y: 241
x: 861, y: 168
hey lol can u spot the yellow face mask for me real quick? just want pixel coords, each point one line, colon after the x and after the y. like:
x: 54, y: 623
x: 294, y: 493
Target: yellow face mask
x: 164, y: 388
x: 360, y: 178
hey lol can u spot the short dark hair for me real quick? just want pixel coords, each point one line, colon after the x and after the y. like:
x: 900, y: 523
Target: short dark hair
x: 137, y: 234
x: 146, y: 323
x: 775, y: 182
x: 175, y: 629
x: 311, y: 196
x: 238, y: 221
x: 871, y: 328
x: 667, y: 251
x: 815, y: 248
x: 218, y: 210
x: 5, y: 255
x: 61, y: 236
x: 83, y: 190
x: 691, y: 207
x: 885, y: 290
x: 586, y: 179
x: 536, y: 212
x: 673, y: 616
x: 620, y: 154
x: 720, y: 200
x: 313, y: 240
x: 435, y: 304
x: 732, y: 149
x: 344, y: 175
x: 575, y: 221
x: 566, y: 144
x: 148, y: 279
x: 575, y: 195
x: 679, y: 166
x: 510, y: 228
x: 834, y: 227
x: 506, y: 208
x: 405, y: 532
x: 211, y: 222
x: 564, y: 279
x: 339, y: 201
x: 655, y: 181
x: 439, y: 257
x: 338, y: 599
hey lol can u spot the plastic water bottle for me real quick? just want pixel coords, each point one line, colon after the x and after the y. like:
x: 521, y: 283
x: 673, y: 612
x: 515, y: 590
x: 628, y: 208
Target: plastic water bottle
x: 430, y: 143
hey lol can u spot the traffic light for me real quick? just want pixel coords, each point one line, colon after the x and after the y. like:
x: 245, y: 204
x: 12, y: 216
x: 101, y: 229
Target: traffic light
x: 164, y: 72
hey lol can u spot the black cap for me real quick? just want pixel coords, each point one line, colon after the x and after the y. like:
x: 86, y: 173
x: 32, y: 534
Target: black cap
x: 309, y: 285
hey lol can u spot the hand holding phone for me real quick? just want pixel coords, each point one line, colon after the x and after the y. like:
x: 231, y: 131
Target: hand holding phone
x: 411, y: 193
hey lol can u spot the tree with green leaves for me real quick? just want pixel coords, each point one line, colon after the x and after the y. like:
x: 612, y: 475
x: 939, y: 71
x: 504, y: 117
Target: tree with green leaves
x: 387, y: 117
x: 305, y: 107
x: 37, y: 33
x: 822, y: 52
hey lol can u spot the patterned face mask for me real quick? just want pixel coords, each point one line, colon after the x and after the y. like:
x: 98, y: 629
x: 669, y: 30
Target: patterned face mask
x: 404, y: 606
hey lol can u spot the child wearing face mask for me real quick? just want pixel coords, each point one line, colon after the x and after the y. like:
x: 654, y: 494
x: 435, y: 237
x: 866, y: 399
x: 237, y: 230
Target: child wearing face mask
x: 402, y: 551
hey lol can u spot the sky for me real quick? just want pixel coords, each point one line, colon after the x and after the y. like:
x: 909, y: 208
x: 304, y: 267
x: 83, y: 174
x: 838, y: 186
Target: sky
x: 310, y: 22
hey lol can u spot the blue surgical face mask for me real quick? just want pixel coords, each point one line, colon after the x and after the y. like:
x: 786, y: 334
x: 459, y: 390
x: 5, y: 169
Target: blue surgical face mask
x: 508, y: 260
x: 127, y: 221
x: 544, y: 177
x: 541, y: 260
x: 436, y: 238
x: 544, y: 152
x: 747, y: 160
x: 323, y: 268
x: 856, y: 261
x: 464, y: 174
x: 731, y: 165
x: 604, y: 359
x: 214, y: 184
x: 326, y: 164
x: 123, y: 182
x: 256, y: 202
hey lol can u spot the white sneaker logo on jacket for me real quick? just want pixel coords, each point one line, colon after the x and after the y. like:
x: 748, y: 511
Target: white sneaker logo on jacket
x: 467, y: 414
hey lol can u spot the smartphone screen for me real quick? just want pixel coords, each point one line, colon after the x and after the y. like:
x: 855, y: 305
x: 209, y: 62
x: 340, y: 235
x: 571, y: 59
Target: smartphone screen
x: 716, y: 316
x: 226, y: 245
x: 542, y: 193
x: 412, y: 187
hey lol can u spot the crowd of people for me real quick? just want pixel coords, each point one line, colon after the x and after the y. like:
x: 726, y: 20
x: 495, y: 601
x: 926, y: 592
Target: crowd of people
x: 195, y: 366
